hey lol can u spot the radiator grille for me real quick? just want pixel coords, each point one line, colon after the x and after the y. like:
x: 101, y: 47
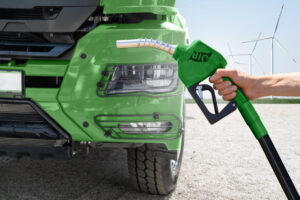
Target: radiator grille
x: 33, y: 14
x: 10, y: 36
x: 43, y: 82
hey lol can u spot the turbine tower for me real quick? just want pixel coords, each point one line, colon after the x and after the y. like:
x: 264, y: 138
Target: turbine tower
x: 274, y: 40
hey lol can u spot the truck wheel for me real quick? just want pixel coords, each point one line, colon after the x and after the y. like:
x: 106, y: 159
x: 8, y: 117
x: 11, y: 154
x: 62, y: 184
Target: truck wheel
x: 152, y: 172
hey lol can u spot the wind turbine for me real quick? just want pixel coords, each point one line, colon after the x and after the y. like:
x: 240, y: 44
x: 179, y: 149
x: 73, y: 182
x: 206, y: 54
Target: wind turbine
x: 251, y: 56
x: 232, y: 57
x: 274, y: 40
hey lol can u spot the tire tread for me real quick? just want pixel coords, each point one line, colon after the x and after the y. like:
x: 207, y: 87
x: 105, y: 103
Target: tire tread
x: 145, y: 171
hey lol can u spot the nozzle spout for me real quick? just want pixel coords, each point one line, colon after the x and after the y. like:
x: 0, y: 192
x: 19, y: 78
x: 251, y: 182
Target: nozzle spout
x: 138, y: 43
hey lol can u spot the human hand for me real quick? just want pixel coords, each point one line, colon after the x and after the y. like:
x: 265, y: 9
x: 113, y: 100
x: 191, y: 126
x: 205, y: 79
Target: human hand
x: 246, y: 82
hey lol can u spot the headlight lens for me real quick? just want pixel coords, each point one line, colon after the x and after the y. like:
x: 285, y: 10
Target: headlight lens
x: 146, y: 127
x: 143, y: 78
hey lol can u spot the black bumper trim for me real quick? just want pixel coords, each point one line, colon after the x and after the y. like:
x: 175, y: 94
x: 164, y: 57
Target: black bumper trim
x: 40, y: 112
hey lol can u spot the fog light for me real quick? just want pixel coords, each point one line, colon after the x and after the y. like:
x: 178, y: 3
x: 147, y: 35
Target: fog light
x: 146, y: 127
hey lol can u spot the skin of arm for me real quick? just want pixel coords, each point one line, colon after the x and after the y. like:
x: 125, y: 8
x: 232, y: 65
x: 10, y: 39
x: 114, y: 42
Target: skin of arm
x: 255, y: 87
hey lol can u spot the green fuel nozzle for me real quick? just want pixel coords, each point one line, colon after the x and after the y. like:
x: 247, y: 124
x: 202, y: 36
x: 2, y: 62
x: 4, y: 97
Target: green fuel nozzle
x: 197, y: 62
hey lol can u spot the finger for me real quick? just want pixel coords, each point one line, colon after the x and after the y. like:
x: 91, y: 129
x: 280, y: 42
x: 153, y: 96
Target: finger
x: 216, y: 83
x: 222, y: 85
x: 223, y: 73
x: 227, y: 90
x: 230, y: 96
x: 215, y: 80
x: 220, y: 81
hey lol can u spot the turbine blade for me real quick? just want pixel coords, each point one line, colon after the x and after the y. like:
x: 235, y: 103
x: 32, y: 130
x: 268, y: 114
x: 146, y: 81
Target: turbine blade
x: 240, y: 63
x: 236, y: 55
x: 249, y: 41
x: 285, y: 50
x: 256, y: 43
x: 260, y: 66
x: 230, y: 52
x: 277, y: 24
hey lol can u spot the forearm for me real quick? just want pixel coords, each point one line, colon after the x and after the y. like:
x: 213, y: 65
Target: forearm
x: 278, y: 85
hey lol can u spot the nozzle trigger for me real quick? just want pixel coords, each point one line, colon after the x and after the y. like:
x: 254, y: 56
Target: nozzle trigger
x: 212, y: 118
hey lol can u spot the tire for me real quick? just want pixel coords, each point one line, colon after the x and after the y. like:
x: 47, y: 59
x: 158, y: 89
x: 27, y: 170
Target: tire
x: 153, y: 170
x: 154, y: 173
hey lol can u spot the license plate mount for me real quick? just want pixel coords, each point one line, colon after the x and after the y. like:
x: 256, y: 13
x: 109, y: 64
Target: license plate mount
x: 12, y: 84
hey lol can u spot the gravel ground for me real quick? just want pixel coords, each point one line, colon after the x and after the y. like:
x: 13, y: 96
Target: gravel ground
x: 223, y: 161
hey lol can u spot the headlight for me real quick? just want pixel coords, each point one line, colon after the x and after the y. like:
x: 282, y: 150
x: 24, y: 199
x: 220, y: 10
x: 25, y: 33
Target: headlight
x: 143, y: 78
x: 146, y: 127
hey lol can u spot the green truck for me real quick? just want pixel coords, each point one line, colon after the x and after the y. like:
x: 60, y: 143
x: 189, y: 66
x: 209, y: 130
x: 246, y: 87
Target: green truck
x: 65, y: 87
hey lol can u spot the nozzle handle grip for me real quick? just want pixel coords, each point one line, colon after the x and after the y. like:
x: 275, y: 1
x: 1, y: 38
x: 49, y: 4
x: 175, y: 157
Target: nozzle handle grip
x: 211, y: 117
x: 249, y: 113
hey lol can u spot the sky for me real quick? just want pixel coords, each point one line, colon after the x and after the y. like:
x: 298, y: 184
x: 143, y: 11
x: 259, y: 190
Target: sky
x: 222, y: 22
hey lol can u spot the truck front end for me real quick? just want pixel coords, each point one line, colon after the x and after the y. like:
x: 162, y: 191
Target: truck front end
x: 69, y: 88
